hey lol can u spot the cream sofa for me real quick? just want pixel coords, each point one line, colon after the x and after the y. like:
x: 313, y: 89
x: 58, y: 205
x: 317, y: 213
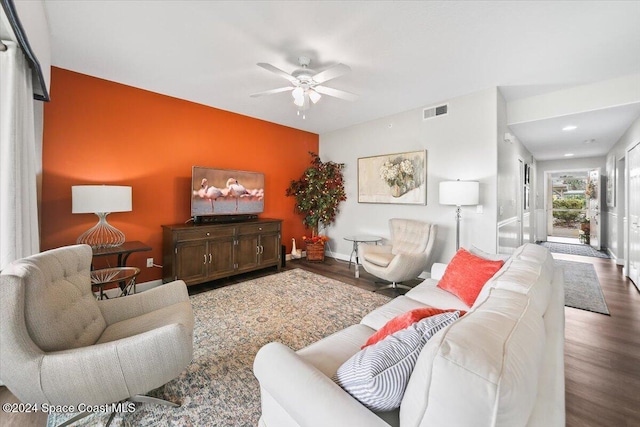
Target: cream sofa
x: 502, y: 364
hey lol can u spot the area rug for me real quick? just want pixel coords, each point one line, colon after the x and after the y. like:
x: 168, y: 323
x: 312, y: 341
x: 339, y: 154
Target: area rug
x: 218, y: 388
x: 571, y: 249
x: 582, y: 287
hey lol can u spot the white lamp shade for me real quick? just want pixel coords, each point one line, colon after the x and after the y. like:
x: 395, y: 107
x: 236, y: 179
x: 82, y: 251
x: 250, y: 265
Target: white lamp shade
x: 459, y: 193
x: 100, y: 198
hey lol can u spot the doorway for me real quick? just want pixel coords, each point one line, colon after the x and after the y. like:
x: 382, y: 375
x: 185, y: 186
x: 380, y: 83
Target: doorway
x: 568, y: 219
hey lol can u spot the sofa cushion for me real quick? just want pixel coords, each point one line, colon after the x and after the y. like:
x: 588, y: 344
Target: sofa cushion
x: 529, y: 278
x: 466, y: 274
x: 428, y: 293
x: 529, y: 271
x: 378, y: 374
x: 381, y: 315
x: 483, y: 367
x: 486, y: 255
x: 403, y: 321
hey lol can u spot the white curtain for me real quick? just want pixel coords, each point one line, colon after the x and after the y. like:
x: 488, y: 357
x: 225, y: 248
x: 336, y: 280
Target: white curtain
x: 18, y: 199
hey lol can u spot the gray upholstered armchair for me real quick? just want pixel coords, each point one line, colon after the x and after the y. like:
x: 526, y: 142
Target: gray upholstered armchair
x: 59, y: 345
x: 407, y: 255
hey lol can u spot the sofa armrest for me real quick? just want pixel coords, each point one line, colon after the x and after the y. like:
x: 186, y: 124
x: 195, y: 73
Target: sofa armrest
x: 118, y: 309
x: 306, y: 394
x: 437, y: 270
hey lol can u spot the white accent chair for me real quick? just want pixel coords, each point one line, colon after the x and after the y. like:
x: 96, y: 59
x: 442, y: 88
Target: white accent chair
x: 407, y: 255
x: 60, y: 346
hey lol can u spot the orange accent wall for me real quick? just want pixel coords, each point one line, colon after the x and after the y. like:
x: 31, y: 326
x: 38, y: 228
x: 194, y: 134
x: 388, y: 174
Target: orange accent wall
x: 100, y: 132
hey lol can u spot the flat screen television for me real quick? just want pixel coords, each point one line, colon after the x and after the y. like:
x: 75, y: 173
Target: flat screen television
x: 225, y: 193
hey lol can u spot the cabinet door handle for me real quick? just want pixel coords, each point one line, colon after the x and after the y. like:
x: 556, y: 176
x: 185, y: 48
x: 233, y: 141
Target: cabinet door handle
x: 257, y: 250
x: 209, y: 258
x: 205, y: 258
x: 261, y: 249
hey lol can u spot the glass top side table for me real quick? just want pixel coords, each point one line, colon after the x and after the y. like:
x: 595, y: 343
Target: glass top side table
x: 124, y: 277
x: 357, y: 239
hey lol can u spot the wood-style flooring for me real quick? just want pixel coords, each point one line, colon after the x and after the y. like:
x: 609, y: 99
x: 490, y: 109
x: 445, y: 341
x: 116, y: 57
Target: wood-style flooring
x: 602, y: 353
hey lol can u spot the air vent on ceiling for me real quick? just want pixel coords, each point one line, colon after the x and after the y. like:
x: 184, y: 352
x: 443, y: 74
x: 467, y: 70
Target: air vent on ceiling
x: 431, y: 112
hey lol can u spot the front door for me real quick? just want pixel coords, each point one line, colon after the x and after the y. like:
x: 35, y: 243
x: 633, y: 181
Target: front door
x: 594, y: 203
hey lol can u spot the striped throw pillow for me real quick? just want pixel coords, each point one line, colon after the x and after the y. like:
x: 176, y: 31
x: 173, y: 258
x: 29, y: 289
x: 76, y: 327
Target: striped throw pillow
x: 378, y: 374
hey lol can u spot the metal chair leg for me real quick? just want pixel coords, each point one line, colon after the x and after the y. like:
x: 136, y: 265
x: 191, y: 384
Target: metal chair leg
x: 393, y: 285
x: 76, y: 418
x: 155, y: 400
x: 113, y: 414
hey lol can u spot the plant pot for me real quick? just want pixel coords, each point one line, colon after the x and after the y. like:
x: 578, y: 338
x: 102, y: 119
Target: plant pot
x: 315, y: 252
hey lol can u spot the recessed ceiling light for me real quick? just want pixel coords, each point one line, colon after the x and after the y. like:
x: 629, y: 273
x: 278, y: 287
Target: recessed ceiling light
x: 569, y: 155
x: 570, y: 127
x: 589, y: 141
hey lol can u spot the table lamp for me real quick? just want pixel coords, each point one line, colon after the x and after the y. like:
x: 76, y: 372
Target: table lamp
x: 459, y: 193
x: 101, y: 200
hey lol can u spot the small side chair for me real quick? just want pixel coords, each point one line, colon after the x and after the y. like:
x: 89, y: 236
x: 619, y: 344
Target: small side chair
x: 60, y: 346
x: 407, y: 255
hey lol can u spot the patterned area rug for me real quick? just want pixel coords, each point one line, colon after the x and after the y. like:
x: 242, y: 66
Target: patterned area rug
x: 218, y: 388
x: 582, y: 287
x: 568, y: 248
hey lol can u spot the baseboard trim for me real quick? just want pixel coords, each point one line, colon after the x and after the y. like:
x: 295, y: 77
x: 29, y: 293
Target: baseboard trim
x: 619, y: 261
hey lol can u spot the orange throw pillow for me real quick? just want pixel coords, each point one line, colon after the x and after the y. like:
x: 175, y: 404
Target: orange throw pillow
x: 405, y: 320
x: 466, y: 274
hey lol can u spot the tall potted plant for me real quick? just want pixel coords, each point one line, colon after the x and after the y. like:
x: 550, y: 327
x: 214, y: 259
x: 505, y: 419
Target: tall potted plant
x: 318, y: 193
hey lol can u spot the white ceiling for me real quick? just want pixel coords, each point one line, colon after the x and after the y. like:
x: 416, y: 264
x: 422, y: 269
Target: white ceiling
x: 403, y: 55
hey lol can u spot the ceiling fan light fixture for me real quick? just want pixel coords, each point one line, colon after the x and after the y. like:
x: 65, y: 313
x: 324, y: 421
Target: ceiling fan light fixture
x: 307, y: 85
x: 314, y: 96
x: 297, y: 93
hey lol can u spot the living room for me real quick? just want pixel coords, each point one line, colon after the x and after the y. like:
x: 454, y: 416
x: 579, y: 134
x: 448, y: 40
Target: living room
x: 111, y: 120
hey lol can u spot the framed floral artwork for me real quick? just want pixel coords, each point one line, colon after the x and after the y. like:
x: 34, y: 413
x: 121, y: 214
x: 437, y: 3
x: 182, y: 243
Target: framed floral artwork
x: 393, y: 178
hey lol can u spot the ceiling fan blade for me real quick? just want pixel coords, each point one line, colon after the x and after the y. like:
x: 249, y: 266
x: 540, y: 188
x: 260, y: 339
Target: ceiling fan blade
x: 336, y: 93
x: 272, y: 91
x: 278, y: 71
x: 331, y: 73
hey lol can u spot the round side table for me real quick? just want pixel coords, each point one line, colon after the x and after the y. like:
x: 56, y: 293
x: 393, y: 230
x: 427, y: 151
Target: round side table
x: 357, y: 239
x: 125, y: 277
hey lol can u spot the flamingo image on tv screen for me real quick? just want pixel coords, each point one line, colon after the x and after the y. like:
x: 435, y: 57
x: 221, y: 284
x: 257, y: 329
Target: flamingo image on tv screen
x: 226, y: 192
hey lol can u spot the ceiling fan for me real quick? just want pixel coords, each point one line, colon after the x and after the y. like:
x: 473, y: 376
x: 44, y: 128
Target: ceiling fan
x: 306, y: 84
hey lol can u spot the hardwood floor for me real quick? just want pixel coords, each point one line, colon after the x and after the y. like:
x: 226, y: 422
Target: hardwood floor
x: 602, y: 353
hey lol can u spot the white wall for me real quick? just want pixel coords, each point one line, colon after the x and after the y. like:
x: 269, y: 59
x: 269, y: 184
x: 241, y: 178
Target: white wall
x: 509, y: 183
x: 605, y: 94
x: 615, y: 226
x: 461, y: 145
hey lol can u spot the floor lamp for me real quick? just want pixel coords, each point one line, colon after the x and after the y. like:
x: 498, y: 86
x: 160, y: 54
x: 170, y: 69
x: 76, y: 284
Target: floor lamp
x: 101, y: 200
x: 459, y: 193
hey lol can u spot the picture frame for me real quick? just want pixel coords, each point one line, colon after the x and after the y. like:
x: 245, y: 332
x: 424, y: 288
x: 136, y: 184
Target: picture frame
x: 611, y: 181
x: 397, y: 178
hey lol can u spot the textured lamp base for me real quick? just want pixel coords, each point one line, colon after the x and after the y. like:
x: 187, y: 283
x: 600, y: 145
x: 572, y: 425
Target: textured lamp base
x: 102, y: 235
